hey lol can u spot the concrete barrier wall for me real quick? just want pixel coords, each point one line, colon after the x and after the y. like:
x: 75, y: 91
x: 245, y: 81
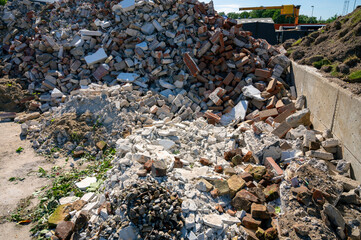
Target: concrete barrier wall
x: 332, y: 107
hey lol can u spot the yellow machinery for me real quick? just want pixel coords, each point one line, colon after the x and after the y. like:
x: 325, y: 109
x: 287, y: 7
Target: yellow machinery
x: 287, y: 10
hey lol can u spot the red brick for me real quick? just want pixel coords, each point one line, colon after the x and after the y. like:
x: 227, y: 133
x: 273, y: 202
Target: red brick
x: 281, y: 130
x: 280, y: 118
x: 215, y: 38
x: 191, y: 65
x: 242, y: 62
x: 201, y: 78
x: 257, y: 104
x: 271, y: 102
x: 270, y: 163
x: 271, y: 85
x: 202, y: 29
x: 259, y: 211
x: 262, y: 73
x: 290, y: 107
x: 268, y: 113
x: 216, y: 108
x: 204, y: 161
x: 212, y: 116
x: 100, y: 73
x: 279, y: 104
x: 250, y: 222
x: 228, y: 79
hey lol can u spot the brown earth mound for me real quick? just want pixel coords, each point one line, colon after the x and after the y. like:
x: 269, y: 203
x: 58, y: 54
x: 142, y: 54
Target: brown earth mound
x: 12, y: 96
x: 335, y: 49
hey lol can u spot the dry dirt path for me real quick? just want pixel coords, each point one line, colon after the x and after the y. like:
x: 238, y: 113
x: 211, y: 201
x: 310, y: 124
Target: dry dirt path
x: 17, y: 165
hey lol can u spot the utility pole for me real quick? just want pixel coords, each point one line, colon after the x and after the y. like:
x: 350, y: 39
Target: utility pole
x: 312, y: 11
x: 354, y: 5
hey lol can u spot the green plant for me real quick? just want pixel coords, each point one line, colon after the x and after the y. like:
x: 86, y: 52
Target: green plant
x: 297, y: 42
x: 176, y: 152
x: 20, y: 149
x: 63, y: 182
x: 75, y: 137
x: 290, y: 51
x: 3, y: 2
x: 55, y: 149
x: 320, y: 63
x: 278, y: 210
x: 97, y: 124
x: 335, y: 72
x: 355, y: 76
x: 42, y: 172
x: 13, y: 179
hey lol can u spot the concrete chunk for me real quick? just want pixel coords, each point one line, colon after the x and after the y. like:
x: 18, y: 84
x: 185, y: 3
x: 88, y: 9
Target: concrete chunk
x: 236, y: 115
x: 85, y: 32
x: 127, y: 77
x: 125, y: 5
x: 96, y: 57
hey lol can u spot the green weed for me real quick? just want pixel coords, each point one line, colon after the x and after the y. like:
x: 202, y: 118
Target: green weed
x: 355, y: 76
x: 20, y: 149
x: 320, y: 63
x: 356, y: 17
x: 297, y: 42
x: 14, y: 179
x: 63, y: 183
x: 3, y: 2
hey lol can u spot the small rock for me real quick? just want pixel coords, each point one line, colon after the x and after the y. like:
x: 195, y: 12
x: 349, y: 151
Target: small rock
x: 213, y: 220
x: 299, y: 118
x: 159, y: 169
x: 85, y: 183
x: 64, y: 229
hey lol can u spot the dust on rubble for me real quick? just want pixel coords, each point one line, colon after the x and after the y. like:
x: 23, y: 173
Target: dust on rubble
x: 70, y: 129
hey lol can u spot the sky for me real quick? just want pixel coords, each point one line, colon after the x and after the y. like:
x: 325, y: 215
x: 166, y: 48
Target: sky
x: 322, y: 8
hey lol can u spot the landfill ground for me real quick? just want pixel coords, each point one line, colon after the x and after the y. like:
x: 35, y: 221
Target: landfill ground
x: 162, y: 120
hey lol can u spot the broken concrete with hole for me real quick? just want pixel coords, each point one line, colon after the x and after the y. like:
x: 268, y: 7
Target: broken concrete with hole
x: 212, y: 139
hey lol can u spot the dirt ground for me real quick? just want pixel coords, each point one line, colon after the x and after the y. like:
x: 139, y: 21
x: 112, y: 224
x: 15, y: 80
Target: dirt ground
x: 335, y: 49
x: 17, y: 165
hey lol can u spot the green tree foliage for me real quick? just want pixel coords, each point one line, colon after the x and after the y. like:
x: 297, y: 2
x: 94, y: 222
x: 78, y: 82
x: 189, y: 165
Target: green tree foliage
x: 275, y: 14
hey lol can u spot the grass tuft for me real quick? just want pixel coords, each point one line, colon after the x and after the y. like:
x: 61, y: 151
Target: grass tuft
x: 297, y: 42
x: 355, y: 76
x: 320, y: 63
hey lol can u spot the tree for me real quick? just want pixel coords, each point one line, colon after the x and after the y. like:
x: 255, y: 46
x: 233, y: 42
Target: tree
x: 276, y: 16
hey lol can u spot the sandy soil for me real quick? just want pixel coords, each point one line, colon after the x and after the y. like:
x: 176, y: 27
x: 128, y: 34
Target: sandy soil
x: 18, y: 165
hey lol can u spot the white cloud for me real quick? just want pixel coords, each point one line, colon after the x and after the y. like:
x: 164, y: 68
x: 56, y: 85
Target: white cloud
x: 226, y: 8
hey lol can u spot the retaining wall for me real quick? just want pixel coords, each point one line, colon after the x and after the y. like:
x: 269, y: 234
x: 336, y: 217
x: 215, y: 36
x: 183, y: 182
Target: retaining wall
x: 332, y: 107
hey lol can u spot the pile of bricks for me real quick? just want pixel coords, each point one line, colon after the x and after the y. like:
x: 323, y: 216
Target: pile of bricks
x: 167, y: 46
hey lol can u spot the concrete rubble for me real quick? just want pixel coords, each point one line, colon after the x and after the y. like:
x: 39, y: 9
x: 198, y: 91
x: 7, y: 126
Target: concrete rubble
x: 212, y: 140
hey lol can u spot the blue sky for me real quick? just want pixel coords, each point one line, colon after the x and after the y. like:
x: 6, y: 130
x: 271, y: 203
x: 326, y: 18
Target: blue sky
x: 322, y: 8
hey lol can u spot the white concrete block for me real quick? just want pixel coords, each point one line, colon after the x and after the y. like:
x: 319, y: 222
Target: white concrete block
x: 96, y: 57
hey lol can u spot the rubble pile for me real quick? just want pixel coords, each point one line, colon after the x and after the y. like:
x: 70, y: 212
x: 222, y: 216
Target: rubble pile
x: 228, y: 188
x: 319, y: 202
x: 155, y: 211
x: 212, y: 140
x: 65, y: 46
x: 102, y: 114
